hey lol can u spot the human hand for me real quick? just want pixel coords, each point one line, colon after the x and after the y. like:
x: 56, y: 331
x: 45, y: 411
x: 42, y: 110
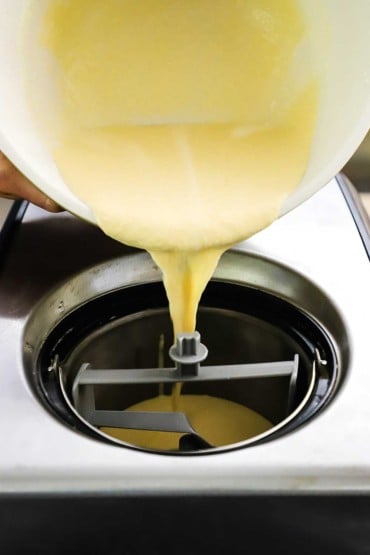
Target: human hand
x: 14, y: 185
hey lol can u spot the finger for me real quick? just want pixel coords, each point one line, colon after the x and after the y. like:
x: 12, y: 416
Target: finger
x: 15, y: 185
x: 25, y: 189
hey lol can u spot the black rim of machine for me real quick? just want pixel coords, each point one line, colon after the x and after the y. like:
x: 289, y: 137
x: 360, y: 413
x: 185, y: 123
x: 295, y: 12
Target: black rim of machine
x: 80, y: 323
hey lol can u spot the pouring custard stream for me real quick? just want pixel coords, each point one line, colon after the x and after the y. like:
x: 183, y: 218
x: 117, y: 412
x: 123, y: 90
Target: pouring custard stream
x: 179, y: 124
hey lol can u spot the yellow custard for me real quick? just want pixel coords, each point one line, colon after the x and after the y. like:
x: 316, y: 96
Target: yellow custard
x: 181, y: 127
x: 219, y: 421
x: 178, y: 126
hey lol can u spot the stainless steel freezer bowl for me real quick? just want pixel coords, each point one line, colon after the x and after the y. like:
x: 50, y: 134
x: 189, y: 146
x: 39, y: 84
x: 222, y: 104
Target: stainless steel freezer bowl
x: 114, y: 314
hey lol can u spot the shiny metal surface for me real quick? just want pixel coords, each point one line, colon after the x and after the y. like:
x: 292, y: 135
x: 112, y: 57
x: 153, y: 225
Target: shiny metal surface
x: 317, y: 243
x: 358, y: 166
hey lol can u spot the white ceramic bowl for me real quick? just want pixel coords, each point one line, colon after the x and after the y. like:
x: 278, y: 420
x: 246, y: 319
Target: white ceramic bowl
x: 338, y: 33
